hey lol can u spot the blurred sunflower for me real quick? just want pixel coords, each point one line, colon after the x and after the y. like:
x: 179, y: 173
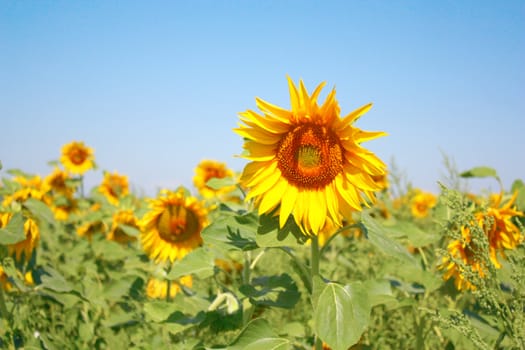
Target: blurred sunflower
x: 57, y: 182
x: 77, y: 158
x: 501, y: 231
x: 114, y: 186
x: 24, y: 249
x: 173, y: 226
x: 158, y: 289
x: 5, y: 284
x: 60, y: 195
x: 207, y: 170
x: 308, y: 161
x: 91, y: 228
x: 421, y: 204
x: 28, y: 187
x: 465, y: 251
x: 123, y: 217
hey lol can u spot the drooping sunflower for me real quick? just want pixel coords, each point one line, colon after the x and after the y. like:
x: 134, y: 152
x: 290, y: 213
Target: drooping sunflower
x: 123, y: 217
x: 158, y: 289
x: 24, y: 249
x: 308, y: 161
x: 114, y: 186
x: 57, y: 182
x: 172, y: 228
x: 209, y: 169
x: 77, y: 157
x: 421, y: 204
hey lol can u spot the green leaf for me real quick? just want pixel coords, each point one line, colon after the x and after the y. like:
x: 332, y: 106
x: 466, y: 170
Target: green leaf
x: 270, y: 235
x: 231, y: 230
x: 415, y: 236
x: 118, y: 288
x: 159, y: 311
x: 377, y: 235
x: 341, y: 315
x: 216, y: 183
x: 258, y: 335
x: 519, y: 186
x: 13, y: 232
x: 199, y: 262
x: 481, y: 171
x: 52, y: 279
x: 130, y: 230
x: 276, y: 291
x: 40, y: 210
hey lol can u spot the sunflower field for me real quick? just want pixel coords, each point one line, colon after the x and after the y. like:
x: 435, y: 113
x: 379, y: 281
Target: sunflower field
x: 315, y: 244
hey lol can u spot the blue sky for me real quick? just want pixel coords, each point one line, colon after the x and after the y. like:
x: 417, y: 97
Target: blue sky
x: 156, y: 86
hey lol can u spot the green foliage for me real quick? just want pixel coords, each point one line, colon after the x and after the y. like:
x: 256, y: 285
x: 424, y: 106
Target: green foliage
x: 379, y: 283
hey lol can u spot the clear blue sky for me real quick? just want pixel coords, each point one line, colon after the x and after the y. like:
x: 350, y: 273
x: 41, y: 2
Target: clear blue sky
x: 156, y: 86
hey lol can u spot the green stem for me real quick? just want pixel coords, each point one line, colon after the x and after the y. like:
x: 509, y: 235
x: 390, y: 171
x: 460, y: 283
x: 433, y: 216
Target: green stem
x: 3, y: 308
x: 314, y: 271
x: 168, y: 290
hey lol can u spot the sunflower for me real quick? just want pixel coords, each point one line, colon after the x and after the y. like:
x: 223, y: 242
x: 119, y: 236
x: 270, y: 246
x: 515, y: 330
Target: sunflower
x: 207, y: 170
x: 465, y: 252
x: 5, y: 284
x: 114, y: 186
x: 57, y: 182
x: 501, y: 231
x: 308, y: 161
x: 158, y: 289
x: 29, y: 187
x: 421, y: 204
x: 123, y: 217
x: 77, y: 158
x: 24, y: 249
x: 173, y: 226
x: 91, y: 228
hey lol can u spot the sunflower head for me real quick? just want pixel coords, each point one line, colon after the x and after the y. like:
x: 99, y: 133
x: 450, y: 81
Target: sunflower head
x: 501, y: 230
x: 114, y: 186
x: 58, y: 182
x: 173, y: 225
x: 77, y: 158
x: 28, y: 187
x: 421, y: 204
x: 463, y: 254
x: 123, y: 217
x: 308, y: 161
x: 207, y: 170
x: 22, y: 251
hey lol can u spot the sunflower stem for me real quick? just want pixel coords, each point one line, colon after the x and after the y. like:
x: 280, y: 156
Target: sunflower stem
x: 314, y: 271
x: 3, y: 308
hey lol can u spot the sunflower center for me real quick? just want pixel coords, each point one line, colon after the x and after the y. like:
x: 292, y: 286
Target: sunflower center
x: 177, y: 224
x: 310, y: 156
x: 77, y: 156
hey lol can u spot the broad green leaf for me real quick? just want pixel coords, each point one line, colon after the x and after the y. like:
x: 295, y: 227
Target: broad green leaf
x: 481, y: 171
x: 519, y: 186
x: 270, y: 235
x: 199, y: 262
x: 379, y: 292
x: 416, y: 236
x: 341, y: 315
x: 40, y: 211
x: 216, y: 183
x: 258, y: 335
x: 276, y: 291
x: 52, y: 279
x: 159, y: 311
x: 108, y: 250
x: 13, y: 232
x: 377, y: 235
x: 118, y: 287
x: 130, y: 230
x: 231, y: 230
